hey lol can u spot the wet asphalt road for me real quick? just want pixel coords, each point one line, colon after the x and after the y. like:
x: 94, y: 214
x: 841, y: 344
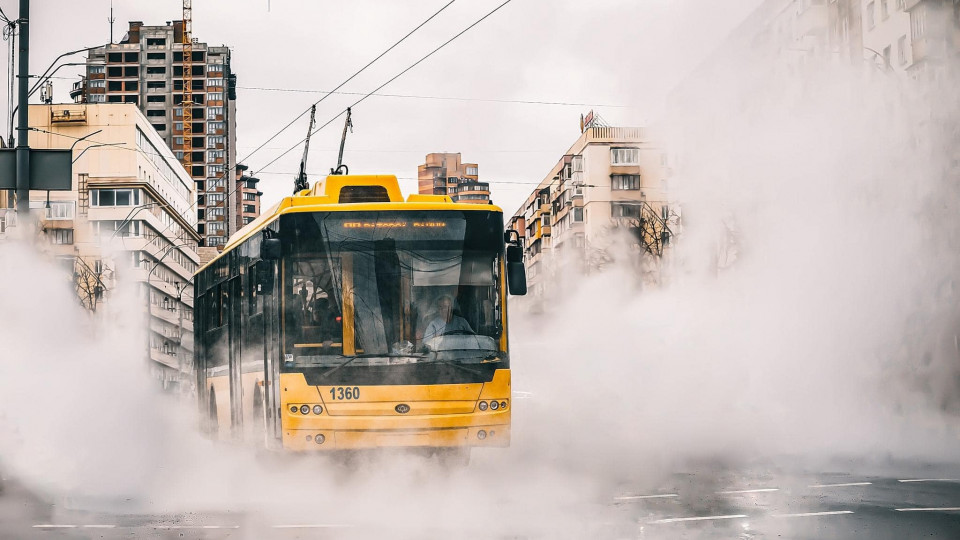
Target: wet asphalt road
x: 732, y: 504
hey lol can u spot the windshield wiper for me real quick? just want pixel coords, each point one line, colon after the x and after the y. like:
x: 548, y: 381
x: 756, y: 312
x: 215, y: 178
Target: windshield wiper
x: 368, y: 355
x: 454, y: 364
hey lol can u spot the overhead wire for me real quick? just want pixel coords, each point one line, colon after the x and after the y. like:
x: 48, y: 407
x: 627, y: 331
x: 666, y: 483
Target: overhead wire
x: 351, y: 77
x: 439, y: 98
x: 395, y: 77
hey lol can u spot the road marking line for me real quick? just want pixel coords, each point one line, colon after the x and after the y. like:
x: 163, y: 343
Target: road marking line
x: 166, y: 527
x: 698, y: 518
x: 99, y: 526
x: 812, y: 514
x: 737, y: 491
x: 638, y: 497
x: 53, y: 526
x: 848, y: 484
x: 942, y: 509
x: 929, y: 480
x: 311, y: 526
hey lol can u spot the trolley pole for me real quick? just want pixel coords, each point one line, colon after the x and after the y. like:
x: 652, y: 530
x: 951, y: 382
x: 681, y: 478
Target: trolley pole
x: 23, y: 149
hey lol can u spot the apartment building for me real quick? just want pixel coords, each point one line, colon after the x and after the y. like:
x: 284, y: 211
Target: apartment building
x: 606, y: 193
x: 886, y: 33
x: 934, y: 33
x: 446, y: 174
x: 128, y: 217
x: 248, y: 200
x: 146, y: 69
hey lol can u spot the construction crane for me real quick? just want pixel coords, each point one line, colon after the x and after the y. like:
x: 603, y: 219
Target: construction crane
x: 300, y: 182
x: 187, y: 91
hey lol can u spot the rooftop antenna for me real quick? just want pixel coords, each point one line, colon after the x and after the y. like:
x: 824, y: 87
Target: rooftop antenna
x: 111, y: 20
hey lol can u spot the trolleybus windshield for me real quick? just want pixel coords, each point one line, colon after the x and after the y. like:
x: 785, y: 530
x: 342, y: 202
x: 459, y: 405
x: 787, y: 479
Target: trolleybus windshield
x: 391, y: 288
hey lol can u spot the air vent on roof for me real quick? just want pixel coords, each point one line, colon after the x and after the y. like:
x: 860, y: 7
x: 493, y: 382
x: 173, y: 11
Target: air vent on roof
x: 363, y: 194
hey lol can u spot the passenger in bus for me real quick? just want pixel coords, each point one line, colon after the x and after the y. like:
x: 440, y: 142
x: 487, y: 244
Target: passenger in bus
x: 327, y: 320
x: 446, y: 322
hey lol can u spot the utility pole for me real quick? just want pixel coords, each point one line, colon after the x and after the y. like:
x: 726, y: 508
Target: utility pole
x: 111, y: 20
x: 23, y: 150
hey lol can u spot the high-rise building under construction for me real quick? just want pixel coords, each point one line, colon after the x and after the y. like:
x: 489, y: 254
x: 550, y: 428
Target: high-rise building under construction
x: 147, y: 68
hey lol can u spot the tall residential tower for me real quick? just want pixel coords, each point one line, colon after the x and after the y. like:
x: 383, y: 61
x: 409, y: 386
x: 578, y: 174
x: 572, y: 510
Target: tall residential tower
x: 146, y: 69
x: 446, y: 174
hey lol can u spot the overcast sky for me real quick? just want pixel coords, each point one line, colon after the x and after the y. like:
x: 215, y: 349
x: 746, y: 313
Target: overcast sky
x: 619, y: 57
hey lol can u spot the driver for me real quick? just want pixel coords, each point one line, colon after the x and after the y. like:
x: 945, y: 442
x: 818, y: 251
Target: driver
x: 446, y: 322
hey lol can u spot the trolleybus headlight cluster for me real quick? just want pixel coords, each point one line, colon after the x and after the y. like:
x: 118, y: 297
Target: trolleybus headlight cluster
x: 493, y: 405
x: 305, y: 409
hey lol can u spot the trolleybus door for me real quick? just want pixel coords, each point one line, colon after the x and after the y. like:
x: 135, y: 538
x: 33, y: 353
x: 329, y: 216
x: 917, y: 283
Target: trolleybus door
x: 234, y: 340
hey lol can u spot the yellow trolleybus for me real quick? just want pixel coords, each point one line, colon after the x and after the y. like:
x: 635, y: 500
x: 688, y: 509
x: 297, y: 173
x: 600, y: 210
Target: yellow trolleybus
x: 346, y: 317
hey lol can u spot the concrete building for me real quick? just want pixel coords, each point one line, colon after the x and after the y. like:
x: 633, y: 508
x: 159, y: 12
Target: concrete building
x: 607, y: 187
x: 935, y: 35
x: 248, y: 200
x: 886, y: 33
x: 446, y: 174
x: 128, y: 217
x: 146, y: 69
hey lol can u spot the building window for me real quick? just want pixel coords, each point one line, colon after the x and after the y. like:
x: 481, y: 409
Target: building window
x: 60, y: 236
x: 871, y: 15
x: 214, y: 212
x: 157, y: 84
x: 156, y: 70
x: 178, y: 126
x: 156, y: 112
x: 97, y: 83
x: 884, y: 9
x: 157, y: 99
x: 215, y: 82
x: 114, y: 197
x: 214, y: 140
x: 577, y: 214
x: 900, y: 5
x: 156, y: 56
x: 214, y: 155
x: 178, y: 140
x: 215, y: 68
x: 212, y: 112
x: 216, y: 183
x: 159, y: 127
x: 97, y: 98
x: 619, y: 182
x: 624, y: 156
x: 212, y: 127
x: 248, y: 220
x: 215, y: 96
x: 249, y: 196
x: 158, y: 42
x: 97, y: 70
x: 214, y: 170
x: 919, y: 19
x: 624, y: 210
x: 886, y: 56
x: 902, y: 50
x: 472, y: 171
x: 249, y: 209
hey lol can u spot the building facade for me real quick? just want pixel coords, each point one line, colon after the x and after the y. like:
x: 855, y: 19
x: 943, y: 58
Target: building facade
x: 128, y: 217
x: 146, y: 69
x: 446, y: 174
x: 934, y: 35
x: 248, y: 199
x: 886, y: 33
x: 606, y: 194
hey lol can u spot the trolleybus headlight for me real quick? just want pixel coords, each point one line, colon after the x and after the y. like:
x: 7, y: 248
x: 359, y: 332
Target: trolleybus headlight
x: 304, y: 409
x: 503, y: 404
x: 481, y: 434
x: 317, y: 409
x: 294, y: 409
x: 319, y: 438
x: 494, y: 405
x: 482, y: 405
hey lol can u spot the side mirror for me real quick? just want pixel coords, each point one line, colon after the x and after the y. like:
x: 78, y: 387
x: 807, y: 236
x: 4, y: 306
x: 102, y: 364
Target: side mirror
x: 514, y: 253
x: 270, y: 249
x: 516, y: 278
x: 264, y: 277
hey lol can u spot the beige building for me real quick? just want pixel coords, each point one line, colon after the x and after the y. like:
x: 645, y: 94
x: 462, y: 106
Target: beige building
x: 606, y: 193
x: 886, y: 33
x: 446, y: 174
x: 130, y: 217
